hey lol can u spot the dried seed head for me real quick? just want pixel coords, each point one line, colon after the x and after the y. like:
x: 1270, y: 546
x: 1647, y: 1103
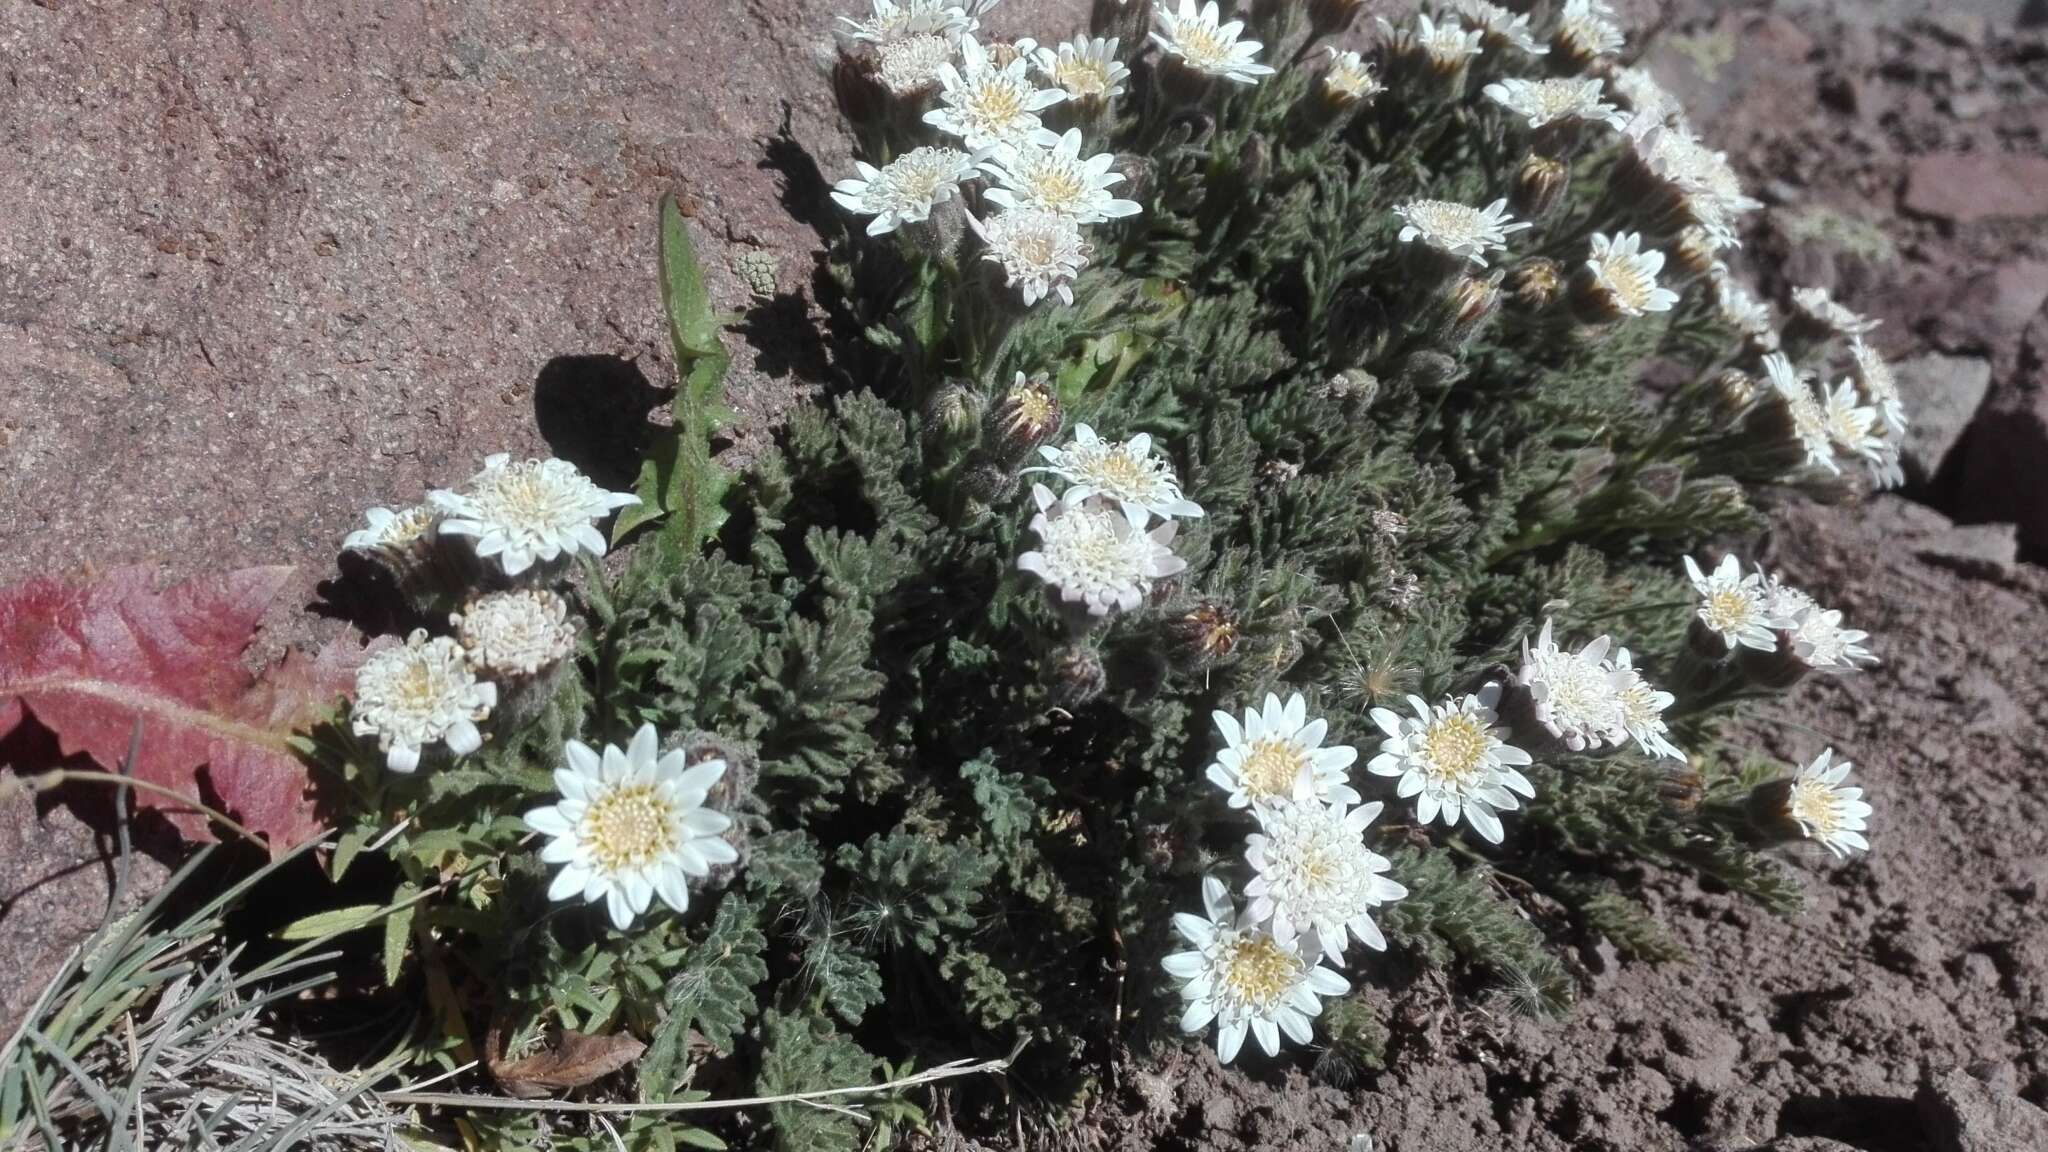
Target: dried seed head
x: 1539, y: 187
x: 1077, y: 675
x: 1204, y: 635
x: 1535, y: 285
x: 1027, y: 416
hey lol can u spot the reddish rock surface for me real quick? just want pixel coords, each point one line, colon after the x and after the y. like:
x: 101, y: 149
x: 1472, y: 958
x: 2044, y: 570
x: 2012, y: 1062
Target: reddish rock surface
x: 1970, y: 186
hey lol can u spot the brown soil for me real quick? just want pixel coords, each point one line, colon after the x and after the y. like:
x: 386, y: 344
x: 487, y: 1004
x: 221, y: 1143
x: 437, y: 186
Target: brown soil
x: 260, y: 272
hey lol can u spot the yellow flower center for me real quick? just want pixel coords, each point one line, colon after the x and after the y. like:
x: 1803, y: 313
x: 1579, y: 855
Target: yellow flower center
x: 1455, y: 747
x: 995, y: 104
x: 1629, y: 285
x: 1059, y: 188
x: 1080, y: 76
x: 1271, y: 767
x: 1122, y: 472
x: 1813, y: 804
x: 1030, y: 410
x: 1727, y: 609
x: 1259, y: 971
x: 629, y: 827
x: 1203, y: 46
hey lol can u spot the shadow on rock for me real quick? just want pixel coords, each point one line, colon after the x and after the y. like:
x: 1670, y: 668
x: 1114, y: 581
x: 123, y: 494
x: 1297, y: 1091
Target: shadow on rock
x: 1872, y: 1123
x: 592, y: 411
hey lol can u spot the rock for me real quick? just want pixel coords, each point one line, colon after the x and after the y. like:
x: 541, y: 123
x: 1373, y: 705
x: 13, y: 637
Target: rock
x: 1964, y: 1114
x: 1996, y: 476
x: 1795, y: 1144
x: 1942, y: 394
x: 1966, y: 187
x: 1987, y: 551
x: 1991, y: 310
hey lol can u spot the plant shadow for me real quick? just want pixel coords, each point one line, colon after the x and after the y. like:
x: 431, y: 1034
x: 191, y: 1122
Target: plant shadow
x: 592, y: 411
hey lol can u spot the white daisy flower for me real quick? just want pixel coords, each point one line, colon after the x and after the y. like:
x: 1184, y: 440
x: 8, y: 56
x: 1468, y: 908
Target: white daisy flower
x: 1049, y: 174
x: 1084, y: 69
x: 1784, y: 603
x: 420, y: 693
x: 907, y: 189
x: 1094, y: 556
x: 528, y: 511
x: 1642, y: 706
x: 1201, y: 41
x: 910, y: 64
x: 1733, y: 605
x: 1458, y: 229
x: 986, y: 105
x: 1809, y: 419
x: 392, y: 531
x: 1577, y: 697
x: 1315, y: 876
x: 1347, y: 78
x: 515, y: 633
x: 1742, y: 311
x: 1544, y: 102
x: 1826, y: 809
x: 1627, y: 276
x: 1498, y: 22
x: 1852, y: 426
x: 1639, y: 90
x: 1880, y: 387
x: 1820, y: 306
x: 1241, y: 978
x: 1447, y: 47
x: 1702, y: 178
x: 1277, y: 755
x: 1123, y: 472
x: 1821, y: 643
x: 1586, y: 30
x: 631, y: 825
x: 1454, y: 760
x: 889, y: 20
x: 1041, y: 252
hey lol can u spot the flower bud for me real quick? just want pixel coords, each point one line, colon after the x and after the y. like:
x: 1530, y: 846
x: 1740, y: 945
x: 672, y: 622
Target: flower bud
x: 1465, y: 308
x: 1694, y: 254
x: 1203, y: 636
x: 1734, y: 390
x: 523, y: 642
x: 1027, y: 415
x: 1681, y: 792
x: 1534, y: 285
x: 1428, y: 371
x: 1770, y: 812
x: 951, y: 416
x: 1353, y: 383
x: 1539, y: 187
x: 1076, y: 675
x: 986, y: 481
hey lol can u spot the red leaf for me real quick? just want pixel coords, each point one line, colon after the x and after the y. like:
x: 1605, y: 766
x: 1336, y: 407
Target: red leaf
x: 90, y: 660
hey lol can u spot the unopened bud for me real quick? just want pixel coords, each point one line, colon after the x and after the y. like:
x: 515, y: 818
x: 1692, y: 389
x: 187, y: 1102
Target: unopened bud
x: 986, y: 481
x: 1535, y: 285
x: 1734, y: 390
x: 1466, y: 308
x: 1027, y: 415
x: 1353, y: 383
x: 1539, y: 186
x: 1428, y: 371
x: 1681, y: 792
x: 1076, y: 675
x: 1203, y: 636
x: 951, y: 416
x: 1770, y: 812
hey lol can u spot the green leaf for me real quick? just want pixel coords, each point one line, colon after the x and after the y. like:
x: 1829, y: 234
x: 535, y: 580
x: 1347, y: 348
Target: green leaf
x: 333, y: 922
x: 712, y: 992
x: 679, y: 480
x: 848, y: 982
x: 698, y: 1138
x: 397, y: 930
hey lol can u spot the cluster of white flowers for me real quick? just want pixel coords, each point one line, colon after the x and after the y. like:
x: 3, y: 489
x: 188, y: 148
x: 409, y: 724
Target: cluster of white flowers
x: 1315, y: 883
x: 1588, y: 698
x: 1097, y: 544
x: 1760, y: 612
x: 1840, y: 420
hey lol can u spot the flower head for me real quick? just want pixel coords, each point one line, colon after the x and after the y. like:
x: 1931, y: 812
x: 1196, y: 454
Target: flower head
x: 985, y: 104
x: 515, y: 633
x: 1544, y: 102
x: 1784, y: 602
x: 1498, y: 23
x: 392, y: 532
x: 1276, y: 754
x: 631, y: 825
x: 1809, y: 419
x: 1852, y: 426
x: 1241, y: 978
x: 1315, y: 876
x: 1586, y: 31
x: 1742, y: 311
x: 1821, y: 643
x: 1094, y: 556
x: 1454, y: 760
x: 1625, y: 276
x: 1701, y: 181
x: 1041, y: 252
x: 1879, y: 386
x: 1577, y: 697
x: 1733, y: 606
x: 891, y: 20
x: 1124, y: 472
x: 1200, y: 40
x: 1826, y: 809
x: 1820, y: 306
x: 523, y: 511
x: 908, y: 65
x: 1457, y: 229
x: 908, y: 187
x: 1048, y: 174
x: 1084, y: 69
x: 1348, y: 79
x: 1641, y: 709
x: 420, y: 693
